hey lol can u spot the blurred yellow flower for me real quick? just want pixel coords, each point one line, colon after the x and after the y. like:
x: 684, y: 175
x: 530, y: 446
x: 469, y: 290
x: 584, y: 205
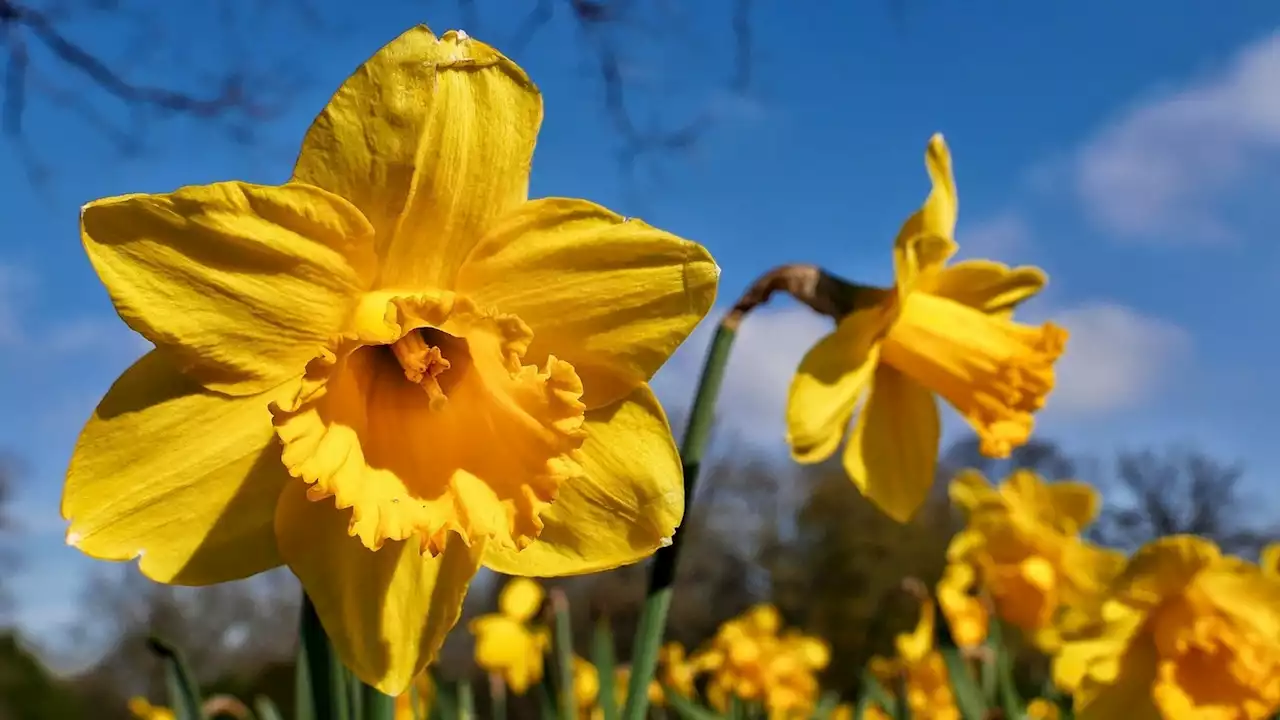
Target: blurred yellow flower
x: 424, y: 690
x: 921, y: 669
x: 966, y: 614
x: 1184, y: 633
x: 944, y: 330
x: 1041, y: 709
x: 506, y: 644
x: 750, y: 660
x: 1023, y: 540
x: 395, y: 351
x: 142, y: 709
x: 676, y: 671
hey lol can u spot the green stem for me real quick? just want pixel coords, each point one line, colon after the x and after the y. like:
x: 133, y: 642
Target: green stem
x: 653, y: 617
x: 497, y: 697
x: 466, y: 701
x: 324, y: 671
x: 567, y: 701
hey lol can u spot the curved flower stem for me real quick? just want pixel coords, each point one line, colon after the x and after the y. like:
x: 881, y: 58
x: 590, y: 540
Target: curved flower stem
x: 826, y: 294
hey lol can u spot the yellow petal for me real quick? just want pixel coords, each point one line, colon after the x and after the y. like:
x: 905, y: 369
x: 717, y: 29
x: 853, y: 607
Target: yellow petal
x: 1075, y: 504
x: 506, y: 647
x: 386, y: 612
x: 893, y: 450
x: 1129, y: 697
x: 520, y: 599
x: 914, y: 646
x: 832, y: 378
x: 432, y: 139
x: 1164, y: 567
x: 1270, y: 560
x: 925, y: 241
x: 970, y: 490
x: 184, y: 477
x: 628, y: 504
x: 985, y: 285
x: 242, y: 284
x: 613, y: 296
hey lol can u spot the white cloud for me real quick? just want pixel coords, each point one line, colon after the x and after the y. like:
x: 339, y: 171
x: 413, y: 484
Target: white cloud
x: 1116, y: 358
x: 994, y: 237
x: 1157, y: 173
x: 765, y: 355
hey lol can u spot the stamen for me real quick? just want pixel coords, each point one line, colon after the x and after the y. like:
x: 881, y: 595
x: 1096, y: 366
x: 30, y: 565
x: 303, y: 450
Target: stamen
x: 422, y: 364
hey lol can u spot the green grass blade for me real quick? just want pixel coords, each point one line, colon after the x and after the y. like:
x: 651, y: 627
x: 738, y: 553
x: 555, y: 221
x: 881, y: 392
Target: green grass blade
x: 184, y: 693
x: 602, y: 656
x: 826, y: 705
x: 265, y: 709
x: 564, y: 656
x: 466, y: 701
x: 687, y: 709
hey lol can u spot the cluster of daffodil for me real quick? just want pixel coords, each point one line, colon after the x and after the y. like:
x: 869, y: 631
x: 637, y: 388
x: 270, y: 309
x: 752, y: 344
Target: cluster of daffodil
x: 1178, y: 630
x: 751, y: 660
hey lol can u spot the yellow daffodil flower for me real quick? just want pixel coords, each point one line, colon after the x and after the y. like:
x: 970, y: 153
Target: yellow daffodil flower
x: 942, y: 329
x: 1184, y: 633
x: 424, y: 690
x: 1041, y: 709
x: 921, y: 669
x: 750, y: 660
x: 507, y: 645
x: 392, y: 369
x: 586, y: 689
x: 676, y: 671
x: 966, y: 614
x: 1023, y: 540
x: 142, y: 709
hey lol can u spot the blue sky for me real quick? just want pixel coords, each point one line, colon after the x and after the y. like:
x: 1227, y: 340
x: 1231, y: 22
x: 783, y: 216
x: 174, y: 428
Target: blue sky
x: 1130, y: 149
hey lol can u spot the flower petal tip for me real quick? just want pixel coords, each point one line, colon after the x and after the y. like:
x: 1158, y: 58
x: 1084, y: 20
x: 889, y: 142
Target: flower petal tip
x: 666, y: 542
x: 74, y: 538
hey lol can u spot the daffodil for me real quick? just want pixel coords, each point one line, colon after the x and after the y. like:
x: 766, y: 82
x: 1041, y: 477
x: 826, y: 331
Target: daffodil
x: 943, y: 330
x: 507, y: 645
x: 751, y: 660
x: 586, y: 689
x: 390, y: 370
x: 1022, y: 540
x: 919, y: 668
x: 966, y: 614
x: 1185, y: 632
x: 676, y: 671
x: 142, y: 709
x: 1041, y: 709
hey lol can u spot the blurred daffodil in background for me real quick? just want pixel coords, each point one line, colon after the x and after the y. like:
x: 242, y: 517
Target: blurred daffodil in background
x: 966, y: 613
x: 142, y: 709
x: 751, y: 660
x: 1023, y: 540
x: 391, y: 370
x: 943, y: 330
x: 508, y: 644
x: 1184, y: 632
x: 919, y: 669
